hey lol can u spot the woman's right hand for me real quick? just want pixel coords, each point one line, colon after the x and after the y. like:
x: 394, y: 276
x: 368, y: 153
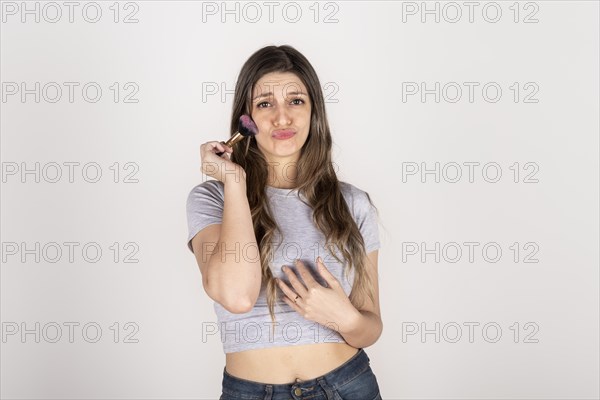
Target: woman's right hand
x: 220, y: 168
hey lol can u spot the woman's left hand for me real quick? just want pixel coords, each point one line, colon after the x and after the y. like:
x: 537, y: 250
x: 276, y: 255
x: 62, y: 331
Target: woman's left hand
x: 328, y: 306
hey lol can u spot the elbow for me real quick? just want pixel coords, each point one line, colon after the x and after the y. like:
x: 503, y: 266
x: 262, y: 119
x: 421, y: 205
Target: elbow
x: 239, y: 305
x: 379, y: 331
x: 239, y: 301
x: 236, y: 297
x: 374, y: 335
x: 235, y: 303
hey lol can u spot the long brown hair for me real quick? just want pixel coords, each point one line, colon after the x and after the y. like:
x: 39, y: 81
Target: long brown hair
x: 316, y: 179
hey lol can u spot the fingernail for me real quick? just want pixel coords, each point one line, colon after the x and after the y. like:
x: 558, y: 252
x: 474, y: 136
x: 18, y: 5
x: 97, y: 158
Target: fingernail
x: 319, y: 259
x: 283, y: 267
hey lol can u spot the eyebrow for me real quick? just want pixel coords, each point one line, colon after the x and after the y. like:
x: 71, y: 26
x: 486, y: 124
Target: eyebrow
x: 268, y: 94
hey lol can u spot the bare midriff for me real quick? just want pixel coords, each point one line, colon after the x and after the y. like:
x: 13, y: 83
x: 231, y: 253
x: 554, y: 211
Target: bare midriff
x: 288, y: 364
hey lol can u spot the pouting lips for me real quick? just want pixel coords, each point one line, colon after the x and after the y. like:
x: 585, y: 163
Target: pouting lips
x: 283, y: 134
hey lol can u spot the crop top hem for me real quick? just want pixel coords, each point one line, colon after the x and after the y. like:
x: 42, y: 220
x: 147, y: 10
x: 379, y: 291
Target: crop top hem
x: 245, y: 345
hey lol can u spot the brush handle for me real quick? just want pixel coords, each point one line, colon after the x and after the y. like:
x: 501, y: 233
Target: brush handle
x: 220, y: 153
x: 231, y: 141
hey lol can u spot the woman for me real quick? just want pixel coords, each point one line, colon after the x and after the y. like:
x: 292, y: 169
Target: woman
x: 275, y: 201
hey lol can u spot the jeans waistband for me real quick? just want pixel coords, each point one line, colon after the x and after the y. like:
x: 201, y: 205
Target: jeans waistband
x: 353, y: 367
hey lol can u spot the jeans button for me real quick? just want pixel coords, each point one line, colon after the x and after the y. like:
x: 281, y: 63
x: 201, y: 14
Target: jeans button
x: 297, y: 391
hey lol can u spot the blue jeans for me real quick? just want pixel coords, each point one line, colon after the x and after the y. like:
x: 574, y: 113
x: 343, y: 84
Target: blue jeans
x: 353, y: 380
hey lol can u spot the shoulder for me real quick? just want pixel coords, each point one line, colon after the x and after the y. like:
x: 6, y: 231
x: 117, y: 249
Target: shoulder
x: 354, y: 193
x: 358, y: 200
x: 210, y: 189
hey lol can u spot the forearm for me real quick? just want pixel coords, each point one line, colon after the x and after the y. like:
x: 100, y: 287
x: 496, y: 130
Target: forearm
x: 234, y: 270
x: 362, y: 330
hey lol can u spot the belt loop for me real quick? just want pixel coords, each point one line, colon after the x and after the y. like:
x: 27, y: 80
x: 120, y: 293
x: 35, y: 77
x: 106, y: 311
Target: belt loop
x: 328, y: 389
x: 268, y: 392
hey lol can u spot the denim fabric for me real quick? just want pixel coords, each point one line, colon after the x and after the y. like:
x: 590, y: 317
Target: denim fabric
x: 353, y: 380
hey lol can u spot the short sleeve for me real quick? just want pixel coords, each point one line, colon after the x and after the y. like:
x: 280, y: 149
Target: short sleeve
x: 204, y: 207
x: 365, y: 215
x: 367, y: 221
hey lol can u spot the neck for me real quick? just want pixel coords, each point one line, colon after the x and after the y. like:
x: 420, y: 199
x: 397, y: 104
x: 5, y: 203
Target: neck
x: 282, y: 172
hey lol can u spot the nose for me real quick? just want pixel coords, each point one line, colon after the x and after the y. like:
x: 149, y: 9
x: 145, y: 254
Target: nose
x: 281, y: 117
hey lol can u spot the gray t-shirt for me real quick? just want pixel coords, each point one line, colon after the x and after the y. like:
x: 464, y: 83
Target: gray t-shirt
x: 301, y: 239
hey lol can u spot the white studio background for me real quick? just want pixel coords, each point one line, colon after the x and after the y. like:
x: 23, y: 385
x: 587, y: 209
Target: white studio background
x: 507, y: 88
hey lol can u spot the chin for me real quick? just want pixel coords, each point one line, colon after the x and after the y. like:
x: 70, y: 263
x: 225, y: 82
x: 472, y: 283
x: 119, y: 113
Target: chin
x: 285, y: 152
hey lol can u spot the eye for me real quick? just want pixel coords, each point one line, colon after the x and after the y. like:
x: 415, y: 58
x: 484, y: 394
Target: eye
x: 259, y: 105
x: 298, y: 99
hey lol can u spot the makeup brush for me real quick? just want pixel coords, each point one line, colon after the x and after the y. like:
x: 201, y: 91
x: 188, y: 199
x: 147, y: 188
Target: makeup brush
x: 246, y: 127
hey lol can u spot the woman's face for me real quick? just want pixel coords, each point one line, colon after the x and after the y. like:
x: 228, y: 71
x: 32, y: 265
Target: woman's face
x: 281, y: 110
